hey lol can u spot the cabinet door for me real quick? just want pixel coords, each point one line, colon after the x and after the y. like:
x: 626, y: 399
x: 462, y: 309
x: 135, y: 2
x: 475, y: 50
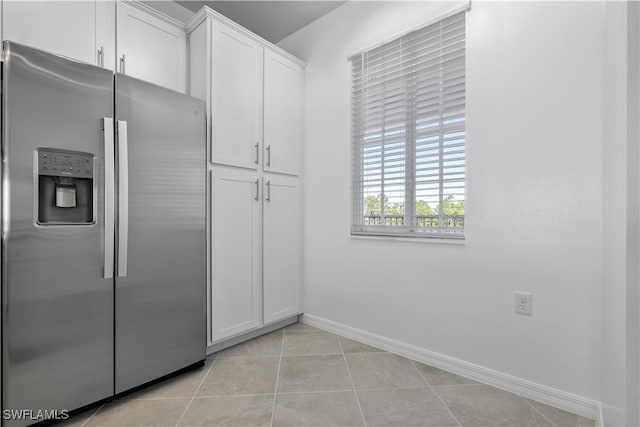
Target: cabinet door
x: 281, y: 248
x: 235, y: 252
x: 66, y: 28
x: 283, y: 81
x: 236, y: 98
x: 151, y: 49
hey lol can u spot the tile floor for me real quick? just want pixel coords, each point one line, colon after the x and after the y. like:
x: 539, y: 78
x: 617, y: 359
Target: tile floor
x: 302, y: 376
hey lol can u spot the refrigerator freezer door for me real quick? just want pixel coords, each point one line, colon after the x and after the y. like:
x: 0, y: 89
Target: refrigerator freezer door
x: 57, y: 307
x: 160, y: 298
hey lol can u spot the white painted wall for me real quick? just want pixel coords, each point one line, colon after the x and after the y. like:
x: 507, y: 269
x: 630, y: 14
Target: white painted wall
x: 534, y: 219
x: 620, y: 360
x: 613, y: 360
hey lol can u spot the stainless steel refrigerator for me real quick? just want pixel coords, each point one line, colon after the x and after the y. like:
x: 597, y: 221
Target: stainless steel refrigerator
x: 103, y: 232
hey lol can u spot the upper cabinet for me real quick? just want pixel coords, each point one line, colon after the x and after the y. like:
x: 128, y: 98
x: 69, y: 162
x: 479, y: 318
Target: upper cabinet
x: 254, y: 92
x: 151, y: 47
x: 81, y: 30
x: 236, y: 88
x: 283, y: 80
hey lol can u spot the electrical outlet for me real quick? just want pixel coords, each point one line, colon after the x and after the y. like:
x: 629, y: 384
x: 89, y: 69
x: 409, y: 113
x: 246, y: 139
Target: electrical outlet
x: 523, y: 303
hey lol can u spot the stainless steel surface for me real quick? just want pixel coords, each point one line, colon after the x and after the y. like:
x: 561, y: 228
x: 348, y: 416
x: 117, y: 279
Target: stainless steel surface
x: 257, y: 146
x: 257, y: 190
x: 101, y: 56
x: 160, y: 305
x: 123, y: 199
x: 269, y: 155
x: 122, y: 59
x: 109, y: 196
x: 268, y: 198
x: 57, y: 329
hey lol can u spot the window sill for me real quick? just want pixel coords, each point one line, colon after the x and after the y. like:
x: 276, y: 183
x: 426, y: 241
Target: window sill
x: 458, y: 241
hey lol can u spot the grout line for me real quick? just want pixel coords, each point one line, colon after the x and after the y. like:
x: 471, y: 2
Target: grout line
x: 94, y: 412
x: 266, y: 356
x: 364, y: 420
x: 458, y: 385
x: 312, y: 354
x: 435, y: 392
x: 131, y: 399
x: 538, y: 411
x: 300, y: 392
x: 210, y: 396
x: 198, y: 389
x: 275, y: 391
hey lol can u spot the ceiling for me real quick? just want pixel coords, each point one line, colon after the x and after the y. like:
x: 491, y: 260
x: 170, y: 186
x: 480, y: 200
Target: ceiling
x: 271, y: 20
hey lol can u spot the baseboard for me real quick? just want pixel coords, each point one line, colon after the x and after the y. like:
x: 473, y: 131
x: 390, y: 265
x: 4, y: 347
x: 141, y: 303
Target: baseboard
x: 600, y: 417
x: 548, y: 395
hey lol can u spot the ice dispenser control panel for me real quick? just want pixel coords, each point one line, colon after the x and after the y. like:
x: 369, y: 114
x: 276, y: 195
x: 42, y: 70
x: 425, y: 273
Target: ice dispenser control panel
x: 75, y: 165
x: 65, y: 187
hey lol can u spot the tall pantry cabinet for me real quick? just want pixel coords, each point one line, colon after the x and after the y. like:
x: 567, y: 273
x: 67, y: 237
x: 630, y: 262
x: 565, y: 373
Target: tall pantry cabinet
x: 253, y: 92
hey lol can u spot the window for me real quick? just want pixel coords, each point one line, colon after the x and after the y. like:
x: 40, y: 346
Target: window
x: 408, y: 134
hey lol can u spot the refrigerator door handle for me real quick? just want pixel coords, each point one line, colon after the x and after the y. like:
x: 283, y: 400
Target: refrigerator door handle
x: 123, y: 200
x: 109, y: 195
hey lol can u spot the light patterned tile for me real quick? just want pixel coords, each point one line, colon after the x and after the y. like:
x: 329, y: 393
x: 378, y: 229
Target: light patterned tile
x: 242, y: 375
x: 156, y: 413
x: 383, y: 370
x: 317, y: 409
x: 301, y: 343
x: 437, y: 376
x: 404, y: 407
x: 264, y: 345
x: 561, y: 418
x: 482, y: 405
x: 313, y: 373
x: 245, y: 411
x: 183, y: 385
x: 351, y: 346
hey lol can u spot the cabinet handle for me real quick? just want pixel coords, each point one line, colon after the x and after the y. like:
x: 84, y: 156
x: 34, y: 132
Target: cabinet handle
x: 101, y: 57
x: 257, y: 190
x: 257, y: 153
x: 269, y: 155
x: 122, y: 58
x: 268, y: 198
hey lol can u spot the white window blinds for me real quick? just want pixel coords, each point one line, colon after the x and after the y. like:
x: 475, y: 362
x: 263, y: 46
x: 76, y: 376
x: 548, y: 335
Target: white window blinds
x: 408, y: 133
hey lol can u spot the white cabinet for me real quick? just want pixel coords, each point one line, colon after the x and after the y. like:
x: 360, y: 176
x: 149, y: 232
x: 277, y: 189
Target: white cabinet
x: 255, y: 250
x: 282, y: 248
x: 235, y: 252
x: 236, y: 84
x: 151, y: 48
x: 253, y: 91
x: 81, y: 30
x: 283, y: 80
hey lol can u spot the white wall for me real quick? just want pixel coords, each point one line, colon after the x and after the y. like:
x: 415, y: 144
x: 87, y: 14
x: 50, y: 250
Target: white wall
x: 534, y: 217
x: 615, y: 213
x: 620, y: 359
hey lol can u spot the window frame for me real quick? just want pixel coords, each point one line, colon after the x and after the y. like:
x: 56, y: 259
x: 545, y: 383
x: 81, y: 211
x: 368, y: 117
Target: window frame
x: 359, y: 228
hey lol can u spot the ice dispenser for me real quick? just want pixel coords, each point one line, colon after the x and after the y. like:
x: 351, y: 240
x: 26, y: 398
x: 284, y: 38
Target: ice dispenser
x: 65, y: 187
